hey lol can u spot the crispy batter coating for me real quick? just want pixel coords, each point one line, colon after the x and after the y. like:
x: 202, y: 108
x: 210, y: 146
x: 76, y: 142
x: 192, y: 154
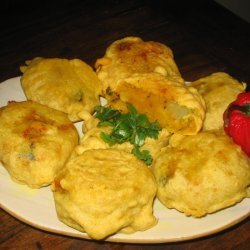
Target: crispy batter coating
x: 177, y: 107
x: 218, y: 90
x: 202, y: 174
x: 66, y: 85
x: 105, y: 191
x: 35, y: 142
x: 131, y: 55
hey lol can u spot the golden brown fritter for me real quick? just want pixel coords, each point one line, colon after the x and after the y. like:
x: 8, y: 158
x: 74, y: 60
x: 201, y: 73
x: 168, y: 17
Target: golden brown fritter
x: 35, y: 142
x: 131, y: 55
x: 218, y: 90
x: 105, y: 191
x: 177, y: 107
x: 202, y: 174
x: 66, y: 85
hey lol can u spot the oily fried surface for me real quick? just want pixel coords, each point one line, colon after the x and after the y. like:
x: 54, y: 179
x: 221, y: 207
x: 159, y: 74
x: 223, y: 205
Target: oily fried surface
x: 202, y: 174
x: 218, y: 90
x: 105, y: 191
x: 131, y: 55
x: 66, y: 85
x: 35, y: 142
x: 177, y: 107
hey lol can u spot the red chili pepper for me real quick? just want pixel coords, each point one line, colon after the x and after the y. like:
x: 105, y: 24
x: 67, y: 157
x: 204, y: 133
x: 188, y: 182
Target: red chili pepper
x: 237, y: 121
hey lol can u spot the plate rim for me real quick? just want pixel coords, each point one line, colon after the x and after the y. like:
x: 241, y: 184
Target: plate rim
x: 82, y: 235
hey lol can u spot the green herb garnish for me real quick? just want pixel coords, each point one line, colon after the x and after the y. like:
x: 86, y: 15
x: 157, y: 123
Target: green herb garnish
x: 132, y: 127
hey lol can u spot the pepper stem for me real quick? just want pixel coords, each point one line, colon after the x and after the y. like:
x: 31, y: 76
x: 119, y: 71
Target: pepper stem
x: 244, y: 108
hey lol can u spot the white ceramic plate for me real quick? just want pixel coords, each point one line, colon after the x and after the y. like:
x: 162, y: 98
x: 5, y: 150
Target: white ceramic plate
x: 36, y: 206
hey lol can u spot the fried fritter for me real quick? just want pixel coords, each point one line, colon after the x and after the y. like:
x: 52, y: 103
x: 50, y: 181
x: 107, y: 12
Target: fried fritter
x: 105, y: 191
x: 132, y: 55
x: 218, y: 90
x: 35, y: 142
x: 177, y: 107
x: 66, y: 85
x: 202, y: 174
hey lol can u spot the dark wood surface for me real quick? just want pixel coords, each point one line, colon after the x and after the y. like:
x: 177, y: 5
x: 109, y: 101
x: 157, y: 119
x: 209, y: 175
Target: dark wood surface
x: 204, y: 36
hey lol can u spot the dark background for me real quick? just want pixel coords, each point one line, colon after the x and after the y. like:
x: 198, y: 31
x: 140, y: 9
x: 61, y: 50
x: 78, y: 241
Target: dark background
x: 202, y: 44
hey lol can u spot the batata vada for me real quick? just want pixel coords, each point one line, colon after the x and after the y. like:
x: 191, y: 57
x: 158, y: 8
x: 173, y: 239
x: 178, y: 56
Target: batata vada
x: 202, y: 174
x: 177, y: 107
x: 105, y: 191
x: 66, y: 85
x: 131, y: 55
x: 218, y: 90
x: 35, y: 142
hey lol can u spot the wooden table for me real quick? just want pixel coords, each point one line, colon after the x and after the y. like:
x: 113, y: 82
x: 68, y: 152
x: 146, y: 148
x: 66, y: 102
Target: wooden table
x: 204, y: 36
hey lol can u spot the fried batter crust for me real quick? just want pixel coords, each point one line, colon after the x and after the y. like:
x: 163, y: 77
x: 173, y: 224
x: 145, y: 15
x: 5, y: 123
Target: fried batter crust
x: 105, y: 191
x: 35, y: 142
x: 132, y: 55
x: 218, y: 90
x: 66, y: 85
x: 202, y: 174
x: 177, y: 107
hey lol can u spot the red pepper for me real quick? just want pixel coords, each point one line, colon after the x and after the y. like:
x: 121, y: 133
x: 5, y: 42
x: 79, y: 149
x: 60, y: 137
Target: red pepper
x: 237, y: 121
